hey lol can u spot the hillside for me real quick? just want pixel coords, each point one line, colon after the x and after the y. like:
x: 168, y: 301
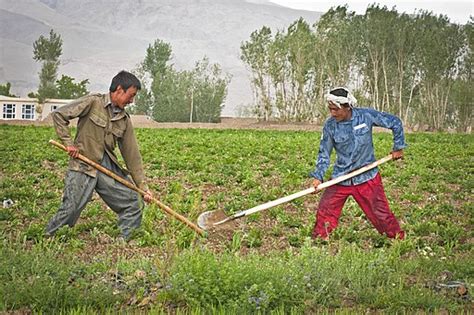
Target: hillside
x: 102, y: 37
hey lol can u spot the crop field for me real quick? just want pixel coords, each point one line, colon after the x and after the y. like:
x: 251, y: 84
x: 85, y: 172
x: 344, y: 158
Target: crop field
x: 263, y: 263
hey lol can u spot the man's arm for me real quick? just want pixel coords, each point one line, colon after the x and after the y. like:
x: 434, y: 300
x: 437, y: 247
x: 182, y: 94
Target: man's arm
x: 393, y: 123
x: 62, y: 116
x: 322, y: 162
x: 131, y: 154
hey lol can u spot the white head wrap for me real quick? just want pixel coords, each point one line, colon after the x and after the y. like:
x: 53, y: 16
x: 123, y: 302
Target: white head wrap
x: 339, y: 100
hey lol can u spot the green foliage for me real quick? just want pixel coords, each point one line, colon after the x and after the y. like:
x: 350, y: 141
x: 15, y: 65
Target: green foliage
x: 307, y: 280
x: 143, y: 100
x: 300, y: 42
x: 439, y: 47
x: 47, y: 88
x: 172, y: 96
x: 67, y: 89
x: 254, y: 238
x: 37, y: 280
x: 461, y: 107
x: 334, y: 30
x: 386, y: 57
x: 180, y: 96
x: 157, y: 57
x: 48, y: 51
x: 5, y: 89
x: 208, y: 93
x: 255, y: 53
x: 404, y: 64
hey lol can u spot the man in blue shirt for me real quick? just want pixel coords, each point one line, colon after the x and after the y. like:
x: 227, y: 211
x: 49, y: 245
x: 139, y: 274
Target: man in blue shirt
x: 349, y: 132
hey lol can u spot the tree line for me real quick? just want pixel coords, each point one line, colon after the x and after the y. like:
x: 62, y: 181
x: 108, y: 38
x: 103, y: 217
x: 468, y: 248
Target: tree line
x: 418, y: 67
x: 168, y: 95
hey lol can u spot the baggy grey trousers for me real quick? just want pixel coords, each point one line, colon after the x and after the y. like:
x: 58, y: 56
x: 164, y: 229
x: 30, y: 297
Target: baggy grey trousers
x: 78, y: 192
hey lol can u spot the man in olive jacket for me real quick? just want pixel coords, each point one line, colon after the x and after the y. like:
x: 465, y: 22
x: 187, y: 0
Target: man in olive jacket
x: 102, y: 125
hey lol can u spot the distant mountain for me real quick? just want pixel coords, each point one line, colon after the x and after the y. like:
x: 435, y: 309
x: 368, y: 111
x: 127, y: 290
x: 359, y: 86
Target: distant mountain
x: 101, y: 37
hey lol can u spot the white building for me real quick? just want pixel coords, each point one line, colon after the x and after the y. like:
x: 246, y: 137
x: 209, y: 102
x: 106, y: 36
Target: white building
x: 14, y: 108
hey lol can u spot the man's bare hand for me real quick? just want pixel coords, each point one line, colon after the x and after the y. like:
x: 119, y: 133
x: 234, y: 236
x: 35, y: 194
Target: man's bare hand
x: 148, y: 196
x: 72, y: 151
x: 316, y: 183
x: 396, y: 155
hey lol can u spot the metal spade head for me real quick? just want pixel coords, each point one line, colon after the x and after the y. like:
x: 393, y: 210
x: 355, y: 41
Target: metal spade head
x: 206, y: 220
x: 203, y: 220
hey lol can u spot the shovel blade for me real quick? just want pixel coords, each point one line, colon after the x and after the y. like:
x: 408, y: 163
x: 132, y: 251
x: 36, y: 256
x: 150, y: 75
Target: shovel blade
x: 207, y: 219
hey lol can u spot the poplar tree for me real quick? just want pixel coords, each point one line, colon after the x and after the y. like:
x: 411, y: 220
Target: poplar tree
x: 48, y: 50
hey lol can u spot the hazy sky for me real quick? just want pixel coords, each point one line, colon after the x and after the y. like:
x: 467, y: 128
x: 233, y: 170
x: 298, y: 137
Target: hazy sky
x: 458, y: 11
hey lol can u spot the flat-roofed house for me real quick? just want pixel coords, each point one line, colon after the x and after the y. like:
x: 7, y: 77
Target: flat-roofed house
x: 27, y: 109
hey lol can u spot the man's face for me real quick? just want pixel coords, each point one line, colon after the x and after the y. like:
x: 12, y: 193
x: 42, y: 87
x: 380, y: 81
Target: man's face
x: 340, y: 114
x: 122, y: 98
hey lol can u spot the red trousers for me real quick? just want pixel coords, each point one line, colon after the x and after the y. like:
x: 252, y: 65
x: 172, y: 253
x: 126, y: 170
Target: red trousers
x: 371, y: 198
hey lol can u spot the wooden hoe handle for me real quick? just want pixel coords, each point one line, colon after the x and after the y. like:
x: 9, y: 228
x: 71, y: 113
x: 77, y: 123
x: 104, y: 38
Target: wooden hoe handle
x: 123, y: 181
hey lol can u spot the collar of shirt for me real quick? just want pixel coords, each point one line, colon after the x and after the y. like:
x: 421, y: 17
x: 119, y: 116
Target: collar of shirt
x: 115, y: 111
x: 107, y: 100
x: 350, y: 120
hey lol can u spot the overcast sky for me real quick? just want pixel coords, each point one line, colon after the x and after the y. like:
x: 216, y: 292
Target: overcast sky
x: 458, y: 11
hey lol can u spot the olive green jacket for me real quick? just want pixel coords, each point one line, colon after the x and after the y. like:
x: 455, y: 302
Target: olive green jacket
x: 99, y: 131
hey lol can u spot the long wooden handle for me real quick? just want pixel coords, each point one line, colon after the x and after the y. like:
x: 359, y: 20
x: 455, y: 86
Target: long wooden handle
x: 358, y: 171
x: 133, y: 187
x: 307, y: 191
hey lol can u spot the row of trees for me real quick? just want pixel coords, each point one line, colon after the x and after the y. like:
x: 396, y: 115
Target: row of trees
x: 416, y: 66
x: 195, y: 95
x: 168, y: 95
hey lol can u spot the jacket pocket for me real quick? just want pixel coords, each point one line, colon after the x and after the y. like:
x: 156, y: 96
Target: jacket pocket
x: 362, y: 132
x: 97, y: 120
x: 118, y: 131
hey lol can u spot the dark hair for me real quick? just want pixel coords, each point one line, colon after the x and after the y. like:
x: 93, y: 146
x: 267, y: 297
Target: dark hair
x: 125, y: 80
x: 339, y: 92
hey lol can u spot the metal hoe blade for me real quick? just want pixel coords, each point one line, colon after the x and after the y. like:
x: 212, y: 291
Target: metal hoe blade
x: 202, y: 220
x: 211, y: 219
x: 206, y: 220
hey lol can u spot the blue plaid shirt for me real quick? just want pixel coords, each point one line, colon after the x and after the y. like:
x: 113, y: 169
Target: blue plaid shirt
x: 352, y: 140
